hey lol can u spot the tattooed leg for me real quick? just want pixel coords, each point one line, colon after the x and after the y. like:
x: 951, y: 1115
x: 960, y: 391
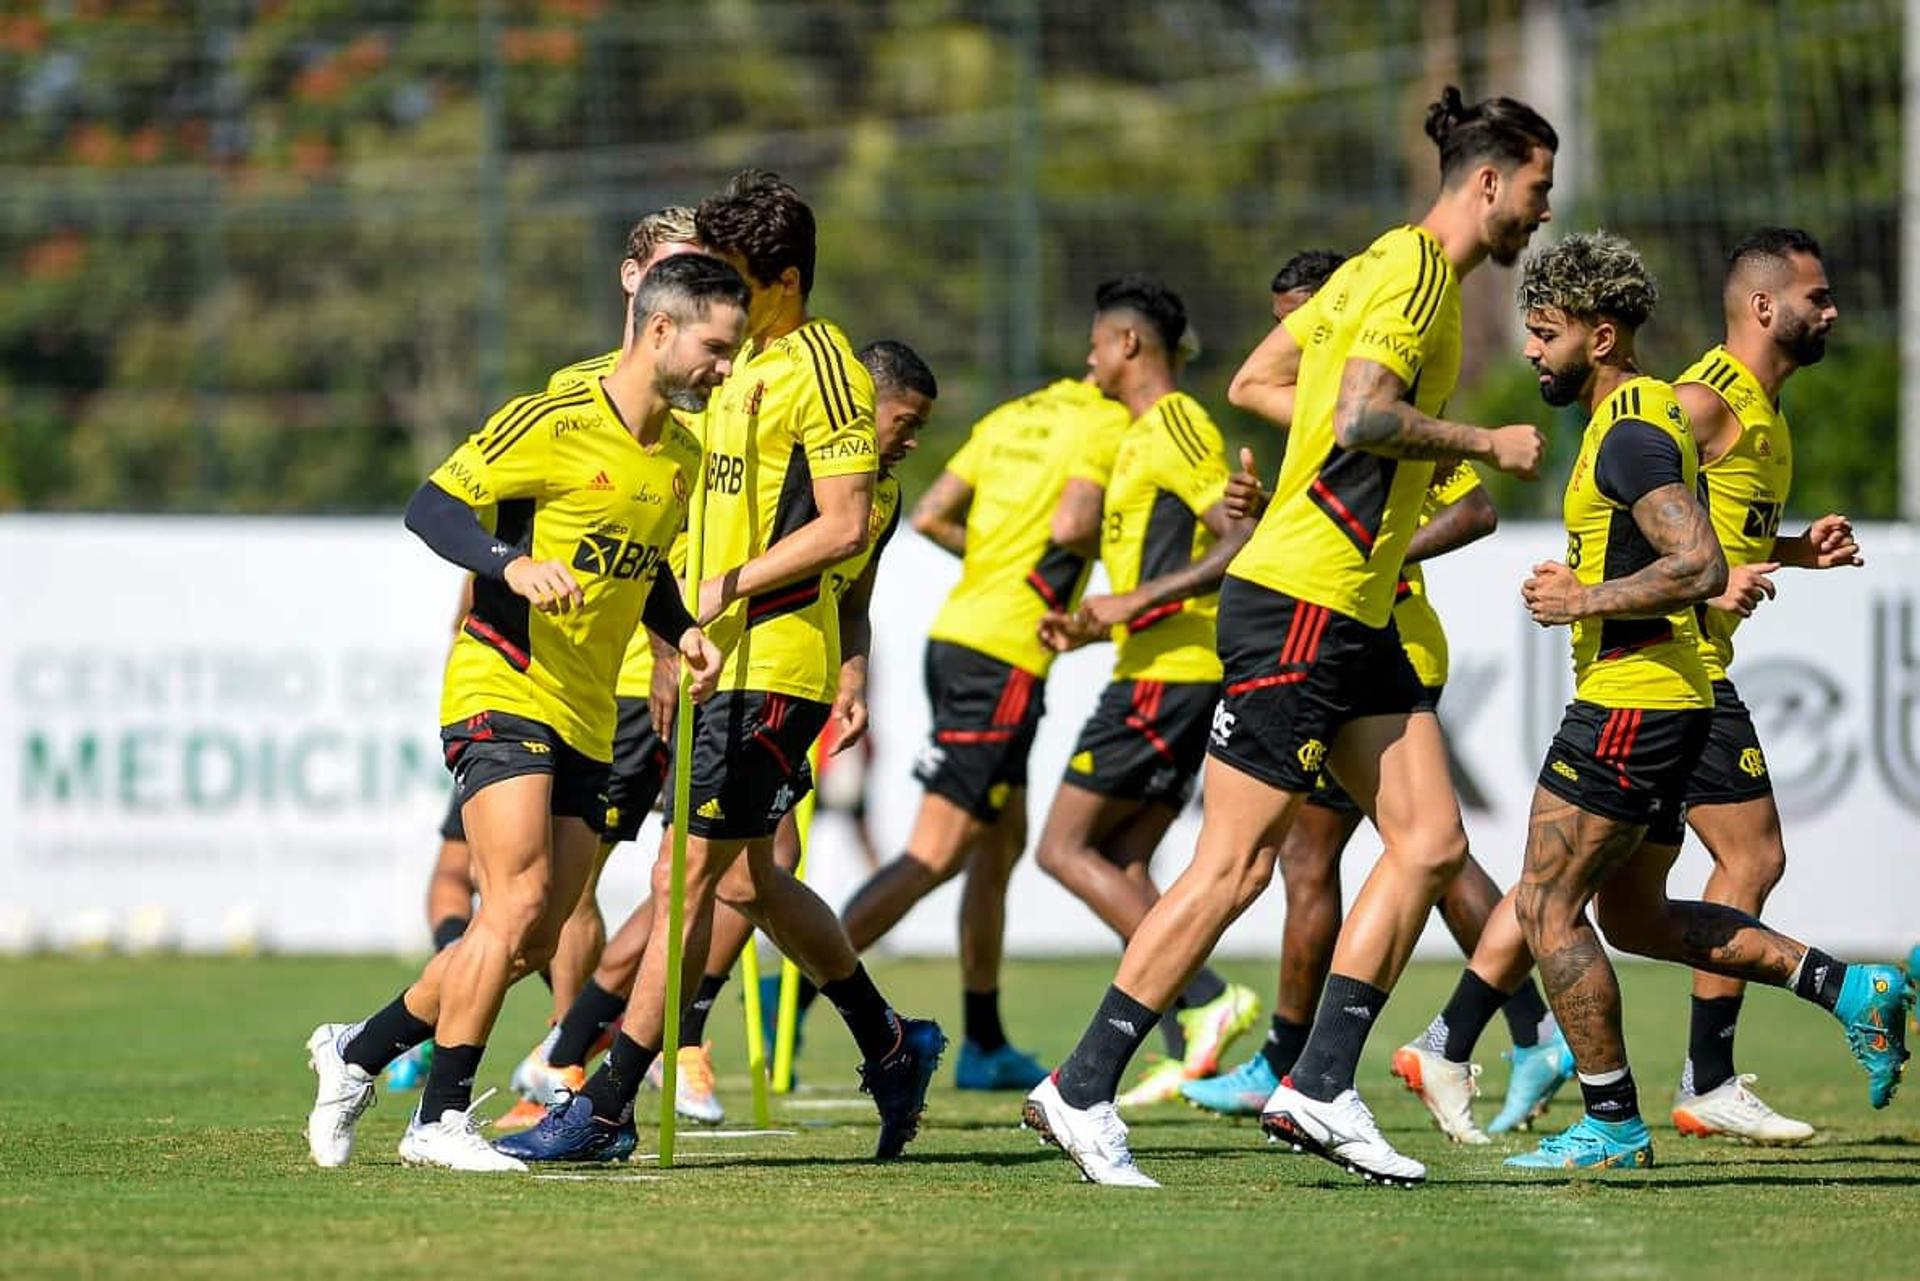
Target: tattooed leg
x: 1570, y: 853
x: 1638, y: 917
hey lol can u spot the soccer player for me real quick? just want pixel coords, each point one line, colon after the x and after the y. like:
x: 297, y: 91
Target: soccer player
x: 586, y: 491
x: 1166, y: 539
x: 1779, y: 310
x: 1315, y: 674
x: 904, y: 395
x: 1456, y: 512
x: 1025, y: 531
x: 791, y: 461
x: 1608, y: 808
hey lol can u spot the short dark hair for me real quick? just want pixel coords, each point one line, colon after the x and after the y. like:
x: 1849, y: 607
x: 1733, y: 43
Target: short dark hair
x: 686, y: 286
x: 1307, y: 270
x: 1770, y: 246
x: 1158, y: 305
x: 760, y: 217
x: 1503, y: 130
x: 897, y: 367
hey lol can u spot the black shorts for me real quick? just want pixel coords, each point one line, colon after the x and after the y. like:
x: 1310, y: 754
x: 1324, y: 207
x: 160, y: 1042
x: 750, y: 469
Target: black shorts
x: 749, y: 762
x: 1145, y: 741
x: 639, y: 771
x: 1295, y: 673
x: 1628, y: 764
x: 1328, y: 794
x: 453, y: 827
x: 1732, y: 769
x: 495, y: 746
x: 985, y: 714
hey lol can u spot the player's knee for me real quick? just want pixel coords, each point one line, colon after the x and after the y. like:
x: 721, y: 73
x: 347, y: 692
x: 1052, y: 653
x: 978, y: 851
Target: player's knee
x: 739, y: 885
x: 1059, y: 857
x: 1629, y: 924
x: 1310, y: 875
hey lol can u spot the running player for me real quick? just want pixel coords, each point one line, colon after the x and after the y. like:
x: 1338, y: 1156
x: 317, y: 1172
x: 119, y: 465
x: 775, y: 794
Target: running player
x: 586, y: 491
x: 904, y: 395
x: 1166, y: 539
x: 1025, y: 531
x: 1457, y: 511
x: 1779, y: 310
x: 1372, y: 358
x: 791, y: 461
x: 1608, y: 809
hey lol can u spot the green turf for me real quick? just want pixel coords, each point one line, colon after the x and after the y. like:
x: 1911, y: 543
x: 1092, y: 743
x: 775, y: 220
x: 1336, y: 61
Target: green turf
x: 150, y: 1124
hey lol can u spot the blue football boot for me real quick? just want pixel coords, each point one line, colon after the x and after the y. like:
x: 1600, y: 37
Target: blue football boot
x: 1003, y: 1069
x: 571, y: 1132
x: 1241, y: 1092
x: 1873, y: 1005
x: 1592, y: 1145
x: 898, y: 1084
x: 1538, y: 1073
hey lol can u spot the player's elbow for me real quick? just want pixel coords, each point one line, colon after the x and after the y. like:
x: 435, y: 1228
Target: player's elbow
x: 1705, y: 574
x: 845, y: 533
x: 1243, y: 391
x: 1350, y: 422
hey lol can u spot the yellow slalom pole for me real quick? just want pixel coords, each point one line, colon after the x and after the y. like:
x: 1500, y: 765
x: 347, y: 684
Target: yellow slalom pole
x: 682, y: 786
x: 783, y: 1036
x: 756, y: 1043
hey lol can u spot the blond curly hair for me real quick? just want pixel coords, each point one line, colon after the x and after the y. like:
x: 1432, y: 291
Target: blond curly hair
x: 1590, y: 274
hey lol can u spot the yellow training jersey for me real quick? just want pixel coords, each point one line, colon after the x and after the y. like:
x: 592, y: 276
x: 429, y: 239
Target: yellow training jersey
x: 636, y: 666
x: 1338, y: 526
x: 1018, y: 460
x: 797, y: 410
x: 561, y: 476
x: 1413, y: 614
x: 1170, y: 468
x: 1651, y: 663
x: 1745, y: 488
x: 880, y: 529
x: 580, y: 371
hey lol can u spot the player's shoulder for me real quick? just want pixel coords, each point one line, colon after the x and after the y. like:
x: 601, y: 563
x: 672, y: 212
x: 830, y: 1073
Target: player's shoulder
x: 1648, y: 400
x: 1181, y: 424
x: 819, y: 367
x: 581, y: 371
x: 542, y: 415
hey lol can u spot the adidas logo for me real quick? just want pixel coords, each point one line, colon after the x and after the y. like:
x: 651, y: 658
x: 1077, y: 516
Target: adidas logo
x: 600, y: 481
x: 711, y: 809
x: 1358, y: 1012
x: 1123, y: 1025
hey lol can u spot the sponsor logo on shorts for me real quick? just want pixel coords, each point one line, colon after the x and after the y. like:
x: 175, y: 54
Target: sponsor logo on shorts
x: 782, y: 801
x: 1163, y: 779
x: 926, y: 766
x: 1082, y: 763
x: 1223, y: 723
x: 1752, y: 763
x: 1312, y: 754
x: 997, y: 794
x: 538, y: 749
x: 711, y: 809
x: 1565, y: 771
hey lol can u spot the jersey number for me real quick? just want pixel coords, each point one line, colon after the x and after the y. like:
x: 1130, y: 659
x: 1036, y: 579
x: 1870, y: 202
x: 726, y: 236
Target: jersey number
x: 1115, y: 523
x: 1573, y: 551
x: 614, y: 557
x: 725, y: 473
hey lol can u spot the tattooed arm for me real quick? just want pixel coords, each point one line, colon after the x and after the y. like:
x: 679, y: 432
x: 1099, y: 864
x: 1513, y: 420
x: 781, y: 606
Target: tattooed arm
x: 941, y: 514
x: 1690, y: 568
x: 1371, y: 414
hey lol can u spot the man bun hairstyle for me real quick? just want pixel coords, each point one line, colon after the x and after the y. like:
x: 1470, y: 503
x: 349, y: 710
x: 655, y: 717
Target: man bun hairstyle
x: 1152, y: 301
x: 1501, y: 131
x: 1590, y: 275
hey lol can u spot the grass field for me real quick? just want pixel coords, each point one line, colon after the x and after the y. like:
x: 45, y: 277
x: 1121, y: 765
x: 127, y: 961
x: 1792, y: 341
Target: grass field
x: 150, y: 1125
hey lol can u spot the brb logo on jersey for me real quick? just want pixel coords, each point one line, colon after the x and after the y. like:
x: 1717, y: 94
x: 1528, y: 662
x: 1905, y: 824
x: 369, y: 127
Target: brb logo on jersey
x: 614, y: 557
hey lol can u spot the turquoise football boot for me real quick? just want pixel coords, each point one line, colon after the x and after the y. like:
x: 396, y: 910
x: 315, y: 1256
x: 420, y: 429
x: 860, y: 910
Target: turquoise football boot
x: 1592, y: 1145
x: 1538, y: 1073
x: 1873, y: 1006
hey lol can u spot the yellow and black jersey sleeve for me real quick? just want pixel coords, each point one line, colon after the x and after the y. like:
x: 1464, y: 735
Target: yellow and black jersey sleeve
x: 833, y: 412
x: 581, y: 371
x: 512, y: 456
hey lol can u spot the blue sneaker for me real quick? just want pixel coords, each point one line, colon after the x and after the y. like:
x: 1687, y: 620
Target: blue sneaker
x: 409, y: 1071
x: 1873, y: 1005
x: 1003, y: 1069
x: 1241, y: 1092
x: 1592, y: 1145
x: 898, y: 1084
x: 1538, y: 1073
x: 570, y: 1132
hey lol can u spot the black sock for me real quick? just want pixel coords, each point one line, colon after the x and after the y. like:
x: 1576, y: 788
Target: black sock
x: 875, y: 1028
x: 693, y: 1023
x: 592, y: 1012
x: 1173, y: 1037
x: 1526, y: 1014
x: 385, y: 1037
x: 1283, y: 1044
x: 809, y: 993
x: 546, y: 976
x: 1710, y: 1044
x: 1616, y: 1100
x: 449, y: 930
x: 616, y: 1083
x: 1206, y: 986
x: 1348, y: 1010
x: 449, y: 1086
x: 1091, y: 1074
x: 1471, y: 1007
x: 982, y: 1019
x: 1819, y: 979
